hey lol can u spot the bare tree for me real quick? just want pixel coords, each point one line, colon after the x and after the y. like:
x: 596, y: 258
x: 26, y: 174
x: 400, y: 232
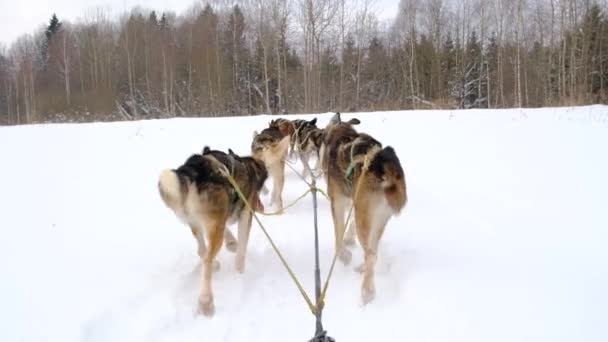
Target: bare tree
x: 315, y: 17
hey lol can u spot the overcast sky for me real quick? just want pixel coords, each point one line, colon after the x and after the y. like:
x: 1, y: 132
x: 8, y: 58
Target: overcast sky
x: 24, y: 16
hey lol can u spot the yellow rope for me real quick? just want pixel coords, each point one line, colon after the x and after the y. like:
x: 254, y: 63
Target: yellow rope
x: 304, y: 180
x: 319, y: 305
x: 310, y: 186
x: 226, y: 174
x: 278, y: 212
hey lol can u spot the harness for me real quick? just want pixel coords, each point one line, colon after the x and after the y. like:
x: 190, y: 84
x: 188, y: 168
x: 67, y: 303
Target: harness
x: 234, y: 196
x: 354, y: 161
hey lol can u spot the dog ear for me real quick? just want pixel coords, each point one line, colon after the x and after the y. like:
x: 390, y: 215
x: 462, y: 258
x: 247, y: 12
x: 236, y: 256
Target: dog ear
x: 354, y: 121
x: 231, y: 152
x: 335, y: 119
x: 206, y: 149
x: 313, y: 122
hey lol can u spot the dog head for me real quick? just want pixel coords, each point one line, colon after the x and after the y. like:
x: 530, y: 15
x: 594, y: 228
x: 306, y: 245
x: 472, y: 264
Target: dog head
x: 286, y: 127
x: 269, y: 151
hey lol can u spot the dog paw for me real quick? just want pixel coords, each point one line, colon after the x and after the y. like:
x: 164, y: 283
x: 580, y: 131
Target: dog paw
x: 367, y: 294
x: 216, y: 265
x: 240, y: 265
x: 277, y: 208
x: 206, y: 306
x: 346, y: 256
x: 349, y: 240
x: 231, y: 245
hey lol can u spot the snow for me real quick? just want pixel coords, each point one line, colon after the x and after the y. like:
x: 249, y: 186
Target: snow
x: 503, y: 238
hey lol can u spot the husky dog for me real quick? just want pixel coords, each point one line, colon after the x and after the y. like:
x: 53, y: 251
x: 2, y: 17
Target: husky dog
x: 359, y: 170
x: 271, y: 145
x: 305, y: 140
x: 203, y: 198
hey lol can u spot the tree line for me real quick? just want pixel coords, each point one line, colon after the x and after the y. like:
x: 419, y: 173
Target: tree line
x: 303, y: 56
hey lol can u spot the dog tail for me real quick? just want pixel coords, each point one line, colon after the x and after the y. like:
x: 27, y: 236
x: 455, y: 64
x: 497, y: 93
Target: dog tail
x: 387, y: 167
x: 170, y: 188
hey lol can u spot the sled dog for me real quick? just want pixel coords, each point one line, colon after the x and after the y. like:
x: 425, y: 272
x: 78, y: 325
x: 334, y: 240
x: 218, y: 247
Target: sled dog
x: 271, y: 145
x: 359, y: 171
x: 305, y: 140
x: 203, y: 198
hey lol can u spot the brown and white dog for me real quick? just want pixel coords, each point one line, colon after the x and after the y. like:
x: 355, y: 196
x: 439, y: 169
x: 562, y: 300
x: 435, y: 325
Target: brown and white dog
x: 359, y: 170
x: 308, y: 139
x: 305, y: 140
x: 271, y: 145
x: 201, y: 197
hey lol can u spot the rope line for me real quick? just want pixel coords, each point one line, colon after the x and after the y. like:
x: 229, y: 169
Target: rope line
x: 311, y: 306
x: 314, y: 308
x: 279, y: 212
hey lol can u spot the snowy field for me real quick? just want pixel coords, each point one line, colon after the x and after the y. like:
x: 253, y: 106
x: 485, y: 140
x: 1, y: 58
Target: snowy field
x: 504, y: 237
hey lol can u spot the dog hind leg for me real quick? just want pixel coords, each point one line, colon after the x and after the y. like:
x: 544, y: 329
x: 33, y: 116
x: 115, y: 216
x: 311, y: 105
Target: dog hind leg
x: 371, y: 222
x: 244, y: 228
x: 231, y: 243
x: 215, y: 235
x: 199, y: 236
x: 349, y: 238
x: 338, y: 208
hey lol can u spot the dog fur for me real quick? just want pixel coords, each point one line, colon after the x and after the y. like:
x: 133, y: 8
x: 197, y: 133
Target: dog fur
x: 271, y: 145
x: 381, y: 194
x: 305, y: 140
x: 308, y: 139
x: 202, y: 198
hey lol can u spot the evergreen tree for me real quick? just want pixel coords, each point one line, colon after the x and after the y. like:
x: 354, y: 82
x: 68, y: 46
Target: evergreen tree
x: 51, y: 30
x: 426, y: 58
x: 152, y: 19
x: 448, y: 65
x: 472, y: 78
x: 349, y: 60
x: 591, y: 32
x: 163, y: 23
x: 492, y: 66
x: 53, y: 27
x: 375, y: 72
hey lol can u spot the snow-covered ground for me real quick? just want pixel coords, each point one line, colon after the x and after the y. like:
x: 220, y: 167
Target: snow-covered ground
x: 503, y: 239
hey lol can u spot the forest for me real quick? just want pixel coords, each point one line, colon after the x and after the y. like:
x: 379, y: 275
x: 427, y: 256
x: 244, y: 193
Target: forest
x: 230, y: 58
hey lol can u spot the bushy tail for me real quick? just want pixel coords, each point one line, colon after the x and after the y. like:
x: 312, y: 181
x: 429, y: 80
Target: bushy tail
x: 387, y: 167
x: 169, y: 187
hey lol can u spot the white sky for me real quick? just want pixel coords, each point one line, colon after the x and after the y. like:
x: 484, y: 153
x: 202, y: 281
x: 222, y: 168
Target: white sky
x: 25, y: 16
